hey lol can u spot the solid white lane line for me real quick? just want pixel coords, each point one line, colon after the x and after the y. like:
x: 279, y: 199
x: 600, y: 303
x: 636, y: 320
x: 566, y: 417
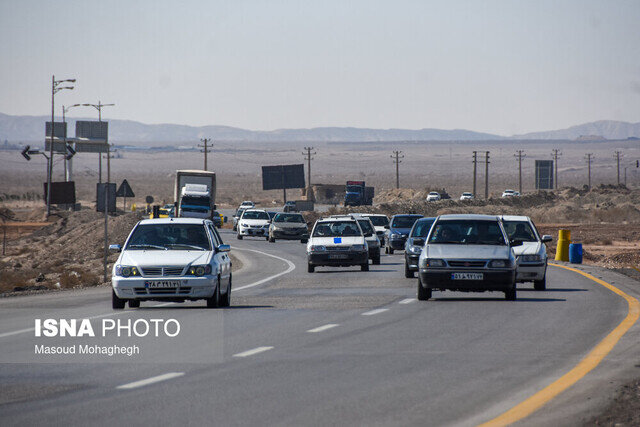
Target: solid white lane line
x: 266, y: 279
x: 407, y: 301
x: 151, y: 380
x: 252, y: 351
x: 323, y: 327
x: 376, y: 311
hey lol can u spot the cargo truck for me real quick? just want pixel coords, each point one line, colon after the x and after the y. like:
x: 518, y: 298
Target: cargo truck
x: 356, y: 194
x: 195, y: 194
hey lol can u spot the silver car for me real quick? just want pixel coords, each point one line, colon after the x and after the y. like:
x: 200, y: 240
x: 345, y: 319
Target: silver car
x: 531, y: 256
x: 172, y: 259
x: 468, y: 253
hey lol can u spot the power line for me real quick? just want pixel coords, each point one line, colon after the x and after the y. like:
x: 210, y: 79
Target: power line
x: 396, y: 159
x: 205, y: 141
x: 520, y: 155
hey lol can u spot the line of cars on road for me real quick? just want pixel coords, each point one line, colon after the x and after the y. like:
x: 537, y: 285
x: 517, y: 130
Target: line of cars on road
x: 434, y: 196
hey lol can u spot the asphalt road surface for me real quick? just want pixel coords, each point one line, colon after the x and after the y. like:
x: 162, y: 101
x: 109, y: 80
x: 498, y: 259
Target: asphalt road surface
x: 336, y: 347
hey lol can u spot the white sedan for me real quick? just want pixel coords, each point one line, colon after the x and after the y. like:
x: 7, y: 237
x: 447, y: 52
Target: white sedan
x: 434, y: 196
x: 254, y: 222
x: 174, y: 259
x: 531, y: 256
x: 466, y: 196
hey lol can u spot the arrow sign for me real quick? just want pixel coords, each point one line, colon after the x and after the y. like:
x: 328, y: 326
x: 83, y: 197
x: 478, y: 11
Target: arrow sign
x: 125, y: 190
x: 25, y: 153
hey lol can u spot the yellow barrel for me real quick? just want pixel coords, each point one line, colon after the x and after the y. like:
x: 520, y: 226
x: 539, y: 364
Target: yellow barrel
x: 562, y: 250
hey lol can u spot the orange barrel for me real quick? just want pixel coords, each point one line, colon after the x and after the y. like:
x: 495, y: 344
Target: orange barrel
x: 562, y: 250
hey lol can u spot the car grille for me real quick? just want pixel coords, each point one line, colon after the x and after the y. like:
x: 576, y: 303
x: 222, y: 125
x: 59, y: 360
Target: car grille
x: 338, y: 248
x: 161, y: 271
x: 467, y: 264
x: 163, y: 291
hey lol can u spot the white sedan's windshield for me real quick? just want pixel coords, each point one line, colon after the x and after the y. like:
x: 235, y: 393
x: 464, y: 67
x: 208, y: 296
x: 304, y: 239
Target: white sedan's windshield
x: 255, y: 215
x: 169, y: 237
x: 467, y: 232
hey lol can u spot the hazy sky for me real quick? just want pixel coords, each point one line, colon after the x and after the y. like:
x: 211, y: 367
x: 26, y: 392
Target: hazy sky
x: 494, y: 66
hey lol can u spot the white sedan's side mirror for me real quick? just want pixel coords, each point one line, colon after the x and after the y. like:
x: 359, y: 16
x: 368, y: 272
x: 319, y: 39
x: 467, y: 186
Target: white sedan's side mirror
x: 115, y: 248
x: 547, y: 238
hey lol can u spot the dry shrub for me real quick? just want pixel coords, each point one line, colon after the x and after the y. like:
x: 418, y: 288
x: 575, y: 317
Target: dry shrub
x: 10, y: 279
x: 74, y: 279
x: 607, y: 242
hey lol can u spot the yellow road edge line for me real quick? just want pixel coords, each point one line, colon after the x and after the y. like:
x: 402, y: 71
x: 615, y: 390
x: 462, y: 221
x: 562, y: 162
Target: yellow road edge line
x: 590, y: 361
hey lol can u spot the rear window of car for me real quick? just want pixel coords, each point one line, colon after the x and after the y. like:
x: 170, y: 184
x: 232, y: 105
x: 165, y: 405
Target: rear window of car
x: 255, y: 215
x: 365, y: 225
x: 467, y: 232
x: 379, y: 221
x: 520, y: 230
x: 336, y: 229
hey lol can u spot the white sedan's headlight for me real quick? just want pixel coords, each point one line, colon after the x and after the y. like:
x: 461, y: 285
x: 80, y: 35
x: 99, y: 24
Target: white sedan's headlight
x: 530, y: 258
x: 244, y: 225
x: 431, y: 262
x: 318, y: 248
x: 396, y: 236
x: 126, y: 271
x: 358, y: 248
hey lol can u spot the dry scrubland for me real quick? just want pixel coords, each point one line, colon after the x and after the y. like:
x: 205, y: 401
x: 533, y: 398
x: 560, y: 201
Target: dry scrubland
x: 68, y: 253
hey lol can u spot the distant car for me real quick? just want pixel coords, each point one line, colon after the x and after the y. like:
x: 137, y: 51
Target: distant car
x: 163, y: 213
x: 398, y: 230
x: 510, y: 193
x: 290, y: 206
x: 380, y: 222
x: 236, y: 217
x: 247, y: 204
x: 288, y: 226
x: 434, y: 196
x: 445, y: 196
x: 337, y: 241
x: 466, y: 196
x: 172, y: 259
x: 531, y: 257
x: 414, y: 244
x: 467, y: 253
x: 253, y: 222
x: 218, y: 219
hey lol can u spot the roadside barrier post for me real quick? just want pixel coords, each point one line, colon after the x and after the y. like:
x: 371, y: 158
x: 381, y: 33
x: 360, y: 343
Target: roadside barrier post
x: 562, y: 250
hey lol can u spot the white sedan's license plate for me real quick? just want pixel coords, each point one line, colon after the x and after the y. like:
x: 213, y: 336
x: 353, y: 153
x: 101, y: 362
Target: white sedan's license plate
x: 338, y: 256
x: 162, y: 283
x: 467, y: 276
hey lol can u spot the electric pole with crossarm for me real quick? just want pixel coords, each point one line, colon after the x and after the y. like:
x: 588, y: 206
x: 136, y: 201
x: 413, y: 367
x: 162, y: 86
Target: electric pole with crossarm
x: 205, y: 149
x: 396, y: 159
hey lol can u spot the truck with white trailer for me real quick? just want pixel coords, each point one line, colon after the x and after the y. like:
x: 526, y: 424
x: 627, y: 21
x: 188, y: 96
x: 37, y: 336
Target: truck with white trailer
x: 195, y: 193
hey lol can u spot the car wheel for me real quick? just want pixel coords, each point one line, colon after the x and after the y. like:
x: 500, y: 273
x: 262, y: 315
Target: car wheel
x: 423, y: 293
x: 376, y: 260
x: 134, y: 303
x: 214, y: 301
x: 407, y: 273
x: 117, y: 303
x: 304, y: 241
x: 226, y: 299
x: 510, y: 295
x: 365, y: 266
x: 239, y: 236
x: 540, y: 285
x: 271, y: 239
x: 311, y: 268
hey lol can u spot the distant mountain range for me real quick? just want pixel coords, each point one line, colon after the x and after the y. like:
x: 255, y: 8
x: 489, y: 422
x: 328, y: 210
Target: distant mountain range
x: 31, y: 129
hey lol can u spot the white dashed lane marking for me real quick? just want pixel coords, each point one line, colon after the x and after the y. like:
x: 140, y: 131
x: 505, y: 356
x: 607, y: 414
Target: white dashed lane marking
x: 376, y: 311
x: 323, y: 327
x: 252, y: 351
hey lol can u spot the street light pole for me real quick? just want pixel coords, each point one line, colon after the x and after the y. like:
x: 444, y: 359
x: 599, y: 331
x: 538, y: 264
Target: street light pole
x: 54, y: 89
x: 98, y: 107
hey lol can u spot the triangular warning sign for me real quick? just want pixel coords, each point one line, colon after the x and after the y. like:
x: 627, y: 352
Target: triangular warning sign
x: 125, y: 190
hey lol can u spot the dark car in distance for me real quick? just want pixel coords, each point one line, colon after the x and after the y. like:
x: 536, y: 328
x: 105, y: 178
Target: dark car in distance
x: 399, y: 227
x: 414, y: 245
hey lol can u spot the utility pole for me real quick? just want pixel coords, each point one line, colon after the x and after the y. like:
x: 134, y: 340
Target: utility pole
x: 98, y: 107
x: 396, y: 159
x: 308, y: 158
x: 555, y: 153
x: 520, y: 155
x: 589, y: 158
x: 475, y: 169
x: 486, y: 175
x: 618, y: 155
x: 204, y: 147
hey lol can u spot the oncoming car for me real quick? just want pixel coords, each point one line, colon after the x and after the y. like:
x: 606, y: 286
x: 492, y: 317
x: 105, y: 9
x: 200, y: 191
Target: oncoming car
x: 531, y: 257
x: 466, y: 196
x: 434, y: 196
x: 172, y: 259
x: 468, y: 253
x: 288, y: 226
x: 253, y: 222
x: 414, y: 244
x: 337, y: 242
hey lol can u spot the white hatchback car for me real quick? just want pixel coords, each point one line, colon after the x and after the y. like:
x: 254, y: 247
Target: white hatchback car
x: 172, y: 259
x: 337, y: 241
x: 434, y: 196
x: 466, y: 196
x: 510, y: 193
x: 254, y: 222
x: 531, y: 257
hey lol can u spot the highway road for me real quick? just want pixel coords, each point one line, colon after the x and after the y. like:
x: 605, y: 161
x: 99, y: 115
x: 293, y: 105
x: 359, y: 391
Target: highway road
x: 337, y: 347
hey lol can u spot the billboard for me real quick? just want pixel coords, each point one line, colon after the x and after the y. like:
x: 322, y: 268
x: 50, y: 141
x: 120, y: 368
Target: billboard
x: 59, y: 130
x: 111, y: 196
x: 62, y: 193
x: 58, y: 146
x: 90, y: 147
x: 282, y: 177
x: 98, y: 131
x: 544, y: 174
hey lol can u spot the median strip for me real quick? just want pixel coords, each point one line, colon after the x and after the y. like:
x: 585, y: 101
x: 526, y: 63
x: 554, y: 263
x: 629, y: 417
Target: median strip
x: 252, y: 351
x: 376, y: 311
x: 151, y: 380
x: 323, y: 327
x: 590, y: 361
